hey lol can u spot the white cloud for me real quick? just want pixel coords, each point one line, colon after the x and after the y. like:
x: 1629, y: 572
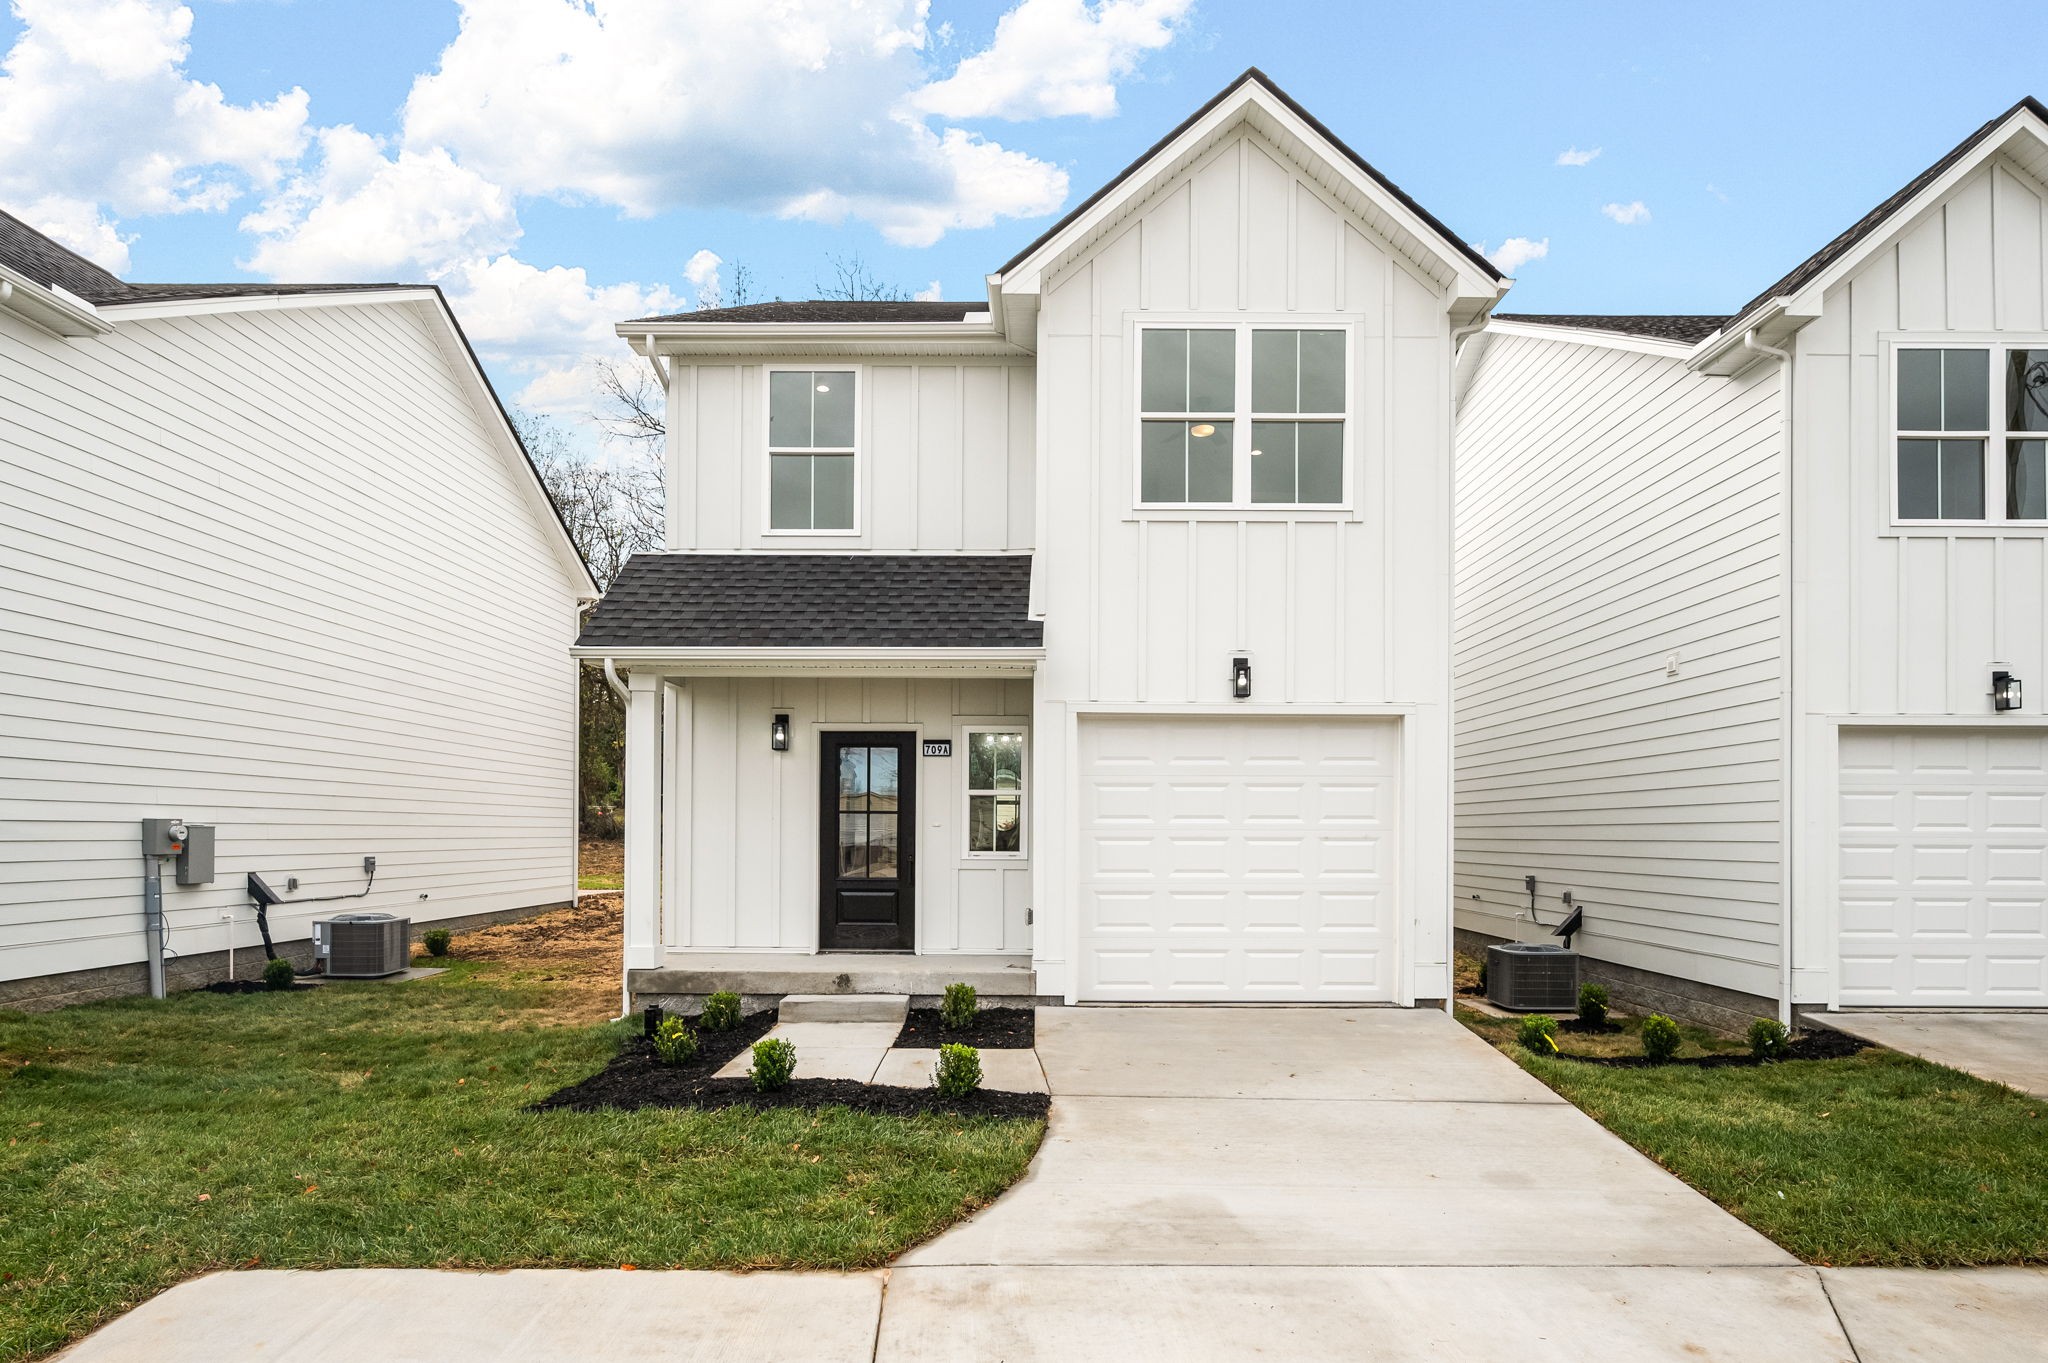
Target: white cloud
x: 99, y: 113
x: 1515, y: 252
x: 930, y: 293
x: 1052, y: 58
x: 360, y: 215
x: 547, y: 326
x: 796, y: 108
x: 1572, y: 156
x: 1627, y: 214
x: 702, y: 269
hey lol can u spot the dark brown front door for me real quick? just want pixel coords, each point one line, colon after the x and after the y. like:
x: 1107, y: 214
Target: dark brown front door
x: 869, y: 823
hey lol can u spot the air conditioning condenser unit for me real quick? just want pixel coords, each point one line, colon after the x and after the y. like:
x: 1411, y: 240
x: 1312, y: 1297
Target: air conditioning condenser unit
x: 363, y: 945
x: 1532, y: 979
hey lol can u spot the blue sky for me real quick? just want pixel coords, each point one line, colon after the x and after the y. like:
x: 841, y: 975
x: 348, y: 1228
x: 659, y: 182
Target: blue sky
x: 1731, y: 140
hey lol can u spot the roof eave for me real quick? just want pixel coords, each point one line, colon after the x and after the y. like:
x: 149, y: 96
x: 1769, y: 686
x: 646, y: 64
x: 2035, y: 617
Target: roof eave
x: 49, y: 309
x: 979, y: 337
x: 1019, y: 662
x: 1612, y: 340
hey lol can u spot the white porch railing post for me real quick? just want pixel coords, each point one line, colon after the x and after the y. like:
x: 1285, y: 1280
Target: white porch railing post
x: 643, y: 820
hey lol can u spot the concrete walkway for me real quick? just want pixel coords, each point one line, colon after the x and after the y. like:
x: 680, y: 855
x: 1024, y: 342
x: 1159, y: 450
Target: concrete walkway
x: 1217, y: 1184
x: 2005, y: 1048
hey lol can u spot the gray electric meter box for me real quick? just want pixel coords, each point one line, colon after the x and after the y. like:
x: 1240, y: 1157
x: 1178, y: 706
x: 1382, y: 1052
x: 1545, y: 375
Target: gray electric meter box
x: 195, y: 863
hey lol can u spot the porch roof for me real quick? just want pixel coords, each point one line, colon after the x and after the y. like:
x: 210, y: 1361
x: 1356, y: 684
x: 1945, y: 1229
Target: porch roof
x: 755, y: 601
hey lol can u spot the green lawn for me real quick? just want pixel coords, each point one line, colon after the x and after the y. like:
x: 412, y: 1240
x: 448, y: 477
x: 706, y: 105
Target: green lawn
x: 601, y: 882
x: 374, y: 1124
x: 1877, y: 1159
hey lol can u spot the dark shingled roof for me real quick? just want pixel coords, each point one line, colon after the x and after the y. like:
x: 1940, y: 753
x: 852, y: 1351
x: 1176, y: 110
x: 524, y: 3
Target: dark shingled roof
x: 1686, y: 327
x: 30, y: 252
x: 1252, y: 73
x: 827, y: 310
x: 1811, y: 268
x: 686, y: 600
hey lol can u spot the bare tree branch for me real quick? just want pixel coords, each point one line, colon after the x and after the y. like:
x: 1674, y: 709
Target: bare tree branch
x: 854, y: 282
x: 630, y: 407
x: 612, y: 505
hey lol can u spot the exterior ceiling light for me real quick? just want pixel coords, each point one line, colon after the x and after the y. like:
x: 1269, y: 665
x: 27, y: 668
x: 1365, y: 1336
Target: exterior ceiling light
x: 824, y: 387
x: 1201, y: 429
x: 2005, y: 691
x: 778, y: 734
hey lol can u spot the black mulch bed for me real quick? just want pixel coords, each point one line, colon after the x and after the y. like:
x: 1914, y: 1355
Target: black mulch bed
x: 253, y: 987
x: 1585, y: 1028
x: 1823, y: 1045
x: 994, y: 1029
x: 635, y: 1079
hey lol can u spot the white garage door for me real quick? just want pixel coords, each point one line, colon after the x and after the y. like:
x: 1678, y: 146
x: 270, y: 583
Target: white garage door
x: 1944, y: 868
x: 1245, y: 859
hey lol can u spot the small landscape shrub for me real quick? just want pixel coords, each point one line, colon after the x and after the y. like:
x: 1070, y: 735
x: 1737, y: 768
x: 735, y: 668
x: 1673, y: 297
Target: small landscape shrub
x: 721, y: 1012
x: 279, y: 974
x: 1593, y: 1004
x: 436, y: 941
x: 774, y: 1062
x: 1538, y: 1033
x: 674, y: 1042
x: 957, y: 1009
x: 1767, y: 1039
x: 1660, y: 1037
x: 1482, y: 974
x: 958, y: 1072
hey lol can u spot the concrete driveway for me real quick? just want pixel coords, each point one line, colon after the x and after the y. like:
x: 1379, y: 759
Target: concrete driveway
x: 1358, y: 1184
x: 2006, y: 1048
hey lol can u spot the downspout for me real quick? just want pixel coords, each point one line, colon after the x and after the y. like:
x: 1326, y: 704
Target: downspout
x: 611, y: 678
x: 1459, y: 335
x: 1787, y: 709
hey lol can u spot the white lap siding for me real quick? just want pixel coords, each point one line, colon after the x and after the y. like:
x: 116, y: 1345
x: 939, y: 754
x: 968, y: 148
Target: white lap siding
x: 269, y: 571
x: 1616, y: 510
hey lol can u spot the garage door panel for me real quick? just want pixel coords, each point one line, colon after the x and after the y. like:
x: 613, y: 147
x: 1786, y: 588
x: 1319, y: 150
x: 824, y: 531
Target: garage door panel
x: 1943, y: 866
x: 1266, y: 878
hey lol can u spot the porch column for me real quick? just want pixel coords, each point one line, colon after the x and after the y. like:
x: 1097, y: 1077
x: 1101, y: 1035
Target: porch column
x: 643, y: 820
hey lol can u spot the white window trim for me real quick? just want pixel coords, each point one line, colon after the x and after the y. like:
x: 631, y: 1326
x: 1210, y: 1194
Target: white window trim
x: 1994, y: 438
x: 1241, y: 507
x: 965, y: 735
x: 860, y: 417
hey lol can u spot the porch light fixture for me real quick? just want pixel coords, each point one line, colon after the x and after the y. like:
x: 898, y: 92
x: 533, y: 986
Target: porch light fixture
x: 1241, y: 678
x: 2005, y: 690
x: 778, y: 734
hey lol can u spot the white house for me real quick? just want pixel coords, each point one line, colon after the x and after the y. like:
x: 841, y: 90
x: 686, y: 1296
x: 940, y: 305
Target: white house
x: 1090, y: 641
x: 1750, y: 623
x: 271, y: 561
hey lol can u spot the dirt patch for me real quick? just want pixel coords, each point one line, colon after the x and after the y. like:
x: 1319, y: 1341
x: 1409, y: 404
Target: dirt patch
x: 994, y: 1029
x: 1825, y: 1045
x: 575, y: 951
x: 601, y: 857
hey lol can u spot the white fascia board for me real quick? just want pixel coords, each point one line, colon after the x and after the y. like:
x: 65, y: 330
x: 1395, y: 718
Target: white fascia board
x: 48, y: 309
x: 266, y: 302
x: 1010, y: 662
x: 1611, y: 340
x: 978, y: 336
x: 1469, y: 281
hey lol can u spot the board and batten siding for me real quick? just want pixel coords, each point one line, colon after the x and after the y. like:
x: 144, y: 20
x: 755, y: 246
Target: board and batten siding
x: 271, y: 571
x: 944, y: 460
x: 748, y: 860
x: 1897, y: 622
x: 1146, y: 609
x: 1617, y: 510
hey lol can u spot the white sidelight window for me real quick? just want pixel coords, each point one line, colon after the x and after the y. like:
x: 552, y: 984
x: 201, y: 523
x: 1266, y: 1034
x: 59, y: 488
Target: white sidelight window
x: 812, y: 419
x: 995, y: 792
x: 1244, y: 416
x: 1971, y: 434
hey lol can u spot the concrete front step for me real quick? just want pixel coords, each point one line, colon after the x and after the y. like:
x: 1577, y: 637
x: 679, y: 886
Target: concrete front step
x: 844, y: 1008
x: 763, y: 978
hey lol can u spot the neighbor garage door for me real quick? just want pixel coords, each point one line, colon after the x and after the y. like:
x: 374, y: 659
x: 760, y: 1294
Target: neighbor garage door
x: 1236, y: 858
x: 1944, y: 868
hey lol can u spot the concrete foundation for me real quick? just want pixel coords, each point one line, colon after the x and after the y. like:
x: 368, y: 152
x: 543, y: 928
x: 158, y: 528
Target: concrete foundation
x: 1728, y: 1011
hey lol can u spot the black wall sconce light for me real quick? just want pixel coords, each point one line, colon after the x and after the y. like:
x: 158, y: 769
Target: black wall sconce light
x: 2005, y: 690
x: 1241, y: 678
x: 778, y: 734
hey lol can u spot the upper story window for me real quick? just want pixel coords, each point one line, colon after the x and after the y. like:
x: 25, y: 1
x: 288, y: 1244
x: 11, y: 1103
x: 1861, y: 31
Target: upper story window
x: 812, y: 418
x: 1972, y: 434
x: 1243, y: 416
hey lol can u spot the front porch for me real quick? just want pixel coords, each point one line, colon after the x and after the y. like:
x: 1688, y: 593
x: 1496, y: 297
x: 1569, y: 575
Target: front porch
x: 762, y: 978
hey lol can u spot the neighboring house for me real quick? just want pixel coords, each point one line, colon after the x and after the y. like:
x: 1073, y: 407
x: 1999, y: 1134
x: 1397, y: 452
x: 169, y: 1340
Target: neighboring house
x: 1748, y: 720
x: 271, y: 560
x: 1091, y: 640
